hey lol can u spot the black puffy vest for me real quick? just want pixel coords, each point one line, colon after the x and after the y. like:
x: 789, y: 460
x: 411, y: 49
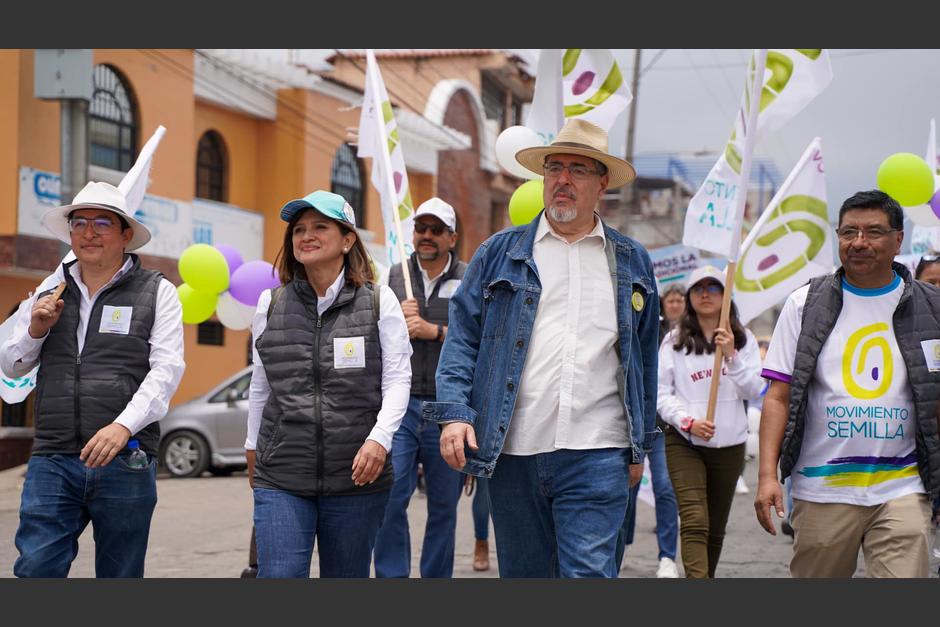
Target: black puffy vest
x: 76, y: 395
x: 317, y: 417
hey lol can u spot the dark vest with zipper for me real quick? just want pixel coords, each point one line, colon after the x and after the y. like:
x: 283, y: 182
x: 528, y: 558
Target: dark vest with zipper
x: 318, y: 416
x: 78, y: 394
x: 916, y: 319
x: 426, y: 352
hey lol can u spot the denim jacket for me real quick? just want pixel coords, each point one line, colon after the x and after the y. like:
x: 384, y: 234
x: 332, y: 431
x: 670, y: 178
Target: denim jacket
x: 491, y: 318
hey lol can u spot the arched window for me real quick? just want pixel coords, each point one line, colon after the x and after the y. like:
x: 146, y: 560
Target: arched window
x: 346, y: 180
x: 112, y: 121
x: 211, y: 167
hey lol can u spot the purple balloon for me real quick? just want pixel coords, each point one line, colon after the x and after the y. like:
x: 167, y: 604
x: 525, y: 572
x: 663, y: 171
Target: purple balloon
x: 935, y: 203
x: 250, y: 280
x: 232, y: 257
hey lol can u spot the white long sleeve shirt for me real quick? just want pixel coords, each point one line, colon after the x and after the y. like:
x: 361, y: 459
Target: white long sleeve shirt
x: 396, y: 364
x: 684, y: 383
x: 20, y: 353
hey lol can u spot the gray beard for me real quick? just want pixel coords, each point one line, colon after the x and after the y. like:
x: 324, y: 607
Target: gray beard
x: 562, y: 215
x: 429, y: 256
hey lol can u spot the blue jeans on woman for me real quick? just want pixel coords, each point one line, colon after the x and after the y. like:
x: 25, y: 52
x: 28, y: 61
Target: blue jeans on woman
x: 667, y: 510
x: 61, y: 496
x: 481, y: 509
x: 558, y: 514
x: 286, y: 527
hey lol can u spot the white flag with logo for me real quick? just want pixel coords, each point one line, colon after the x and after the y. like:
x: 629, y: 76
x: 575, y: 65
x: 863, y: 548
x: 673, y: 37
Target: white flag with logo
x: 15, y: 390
x: 380, y: 141
x: 923, y: 215
x: 790, y: 244
x: 792, y: 78
x: 134, y: 183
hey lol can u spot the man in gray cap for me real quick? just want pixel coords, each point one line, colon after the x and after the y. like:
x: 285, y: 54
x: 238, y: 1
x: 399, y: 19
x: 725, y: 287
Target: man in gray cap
x: 435, y: 275
x: 110, y: 355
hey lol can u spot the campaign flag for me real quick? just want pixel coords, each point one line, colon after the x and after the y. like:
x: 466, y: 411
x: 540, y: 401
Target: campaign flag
x: 134, y: 183
x: 791, y: 243
x: 791, y: 79
x: 15, y: 390
x: 380, y: 141
x: 924, y: 215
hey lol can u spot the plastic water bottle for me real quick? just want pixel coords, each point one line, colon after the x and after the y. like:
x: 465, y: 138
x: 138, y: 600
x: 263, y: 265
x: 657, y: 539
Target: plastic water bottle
x: 137, y: 458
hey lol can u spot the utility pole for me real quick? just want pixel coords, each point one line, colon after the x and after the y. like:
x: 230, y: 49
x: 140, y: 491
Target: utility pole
x: 66, y: 76
x: 630, y: 191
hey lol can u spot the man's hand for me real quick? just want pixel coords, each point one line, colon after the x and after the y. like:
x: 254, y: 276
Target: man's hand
x: 768, y: 495
x: 250, y: 458
x: 45, y: 314
x: 453, y: 437
x: 636, y: 473
x: 368, y: 463
x: 418, y: 327
x: 104, y: 445
x: 410, y: 308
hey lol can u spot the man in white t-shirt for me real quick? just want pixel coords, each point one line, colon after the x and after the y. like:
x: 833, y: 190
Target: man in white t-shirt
x: 851, y: 414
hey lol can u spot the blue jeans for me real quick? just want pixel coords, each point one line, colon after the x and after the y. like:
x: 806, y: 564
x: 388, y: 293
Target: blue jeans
x: 416, y: 441
x: 61, y: 496
x: 558, y: 514
x: 481, y: 509
x: 345, y: 526
x: 667, y: 511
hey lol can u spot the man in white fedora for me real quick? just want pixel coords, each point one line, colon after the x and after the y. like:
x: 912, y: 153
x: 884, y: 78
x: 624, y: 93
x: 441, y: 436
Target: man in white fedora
x: 547, y: 378
x: 110, y: 355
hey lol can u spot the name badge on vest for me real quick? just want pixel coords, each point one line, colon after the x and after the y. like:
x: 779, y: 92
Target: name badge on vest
x: 448, y: 288
x: 931, y: 350
x: 115, y: 320
x: 349, y: 352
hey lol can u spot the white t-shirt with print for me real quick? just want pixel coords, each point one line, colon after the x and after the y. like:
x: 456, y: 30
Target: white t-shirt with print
x: 858, y: 441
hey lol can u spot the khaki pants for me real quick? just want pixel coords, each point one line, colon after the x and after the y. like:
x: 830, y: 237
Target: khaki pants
x: 703, y: 479
x: 894, y: 536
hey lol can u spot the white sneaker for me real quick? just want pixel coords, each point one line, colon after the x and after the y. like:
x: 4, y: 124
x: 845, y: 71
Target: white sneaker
x: 667, y: 569
x: 741, y: 487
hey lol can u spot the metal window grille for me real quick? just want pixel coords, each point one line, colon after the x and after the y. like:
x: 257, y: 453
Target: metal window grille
x: 210, y: 167
x: 210, y: 332
x: 112, y: 121
x: 346, y: 180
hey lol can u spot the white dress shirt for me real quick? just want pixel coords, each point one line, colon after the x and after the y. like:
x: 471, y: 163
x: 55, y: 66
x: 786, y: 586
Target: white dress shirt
x: 568, y: 395
x: 20, y: 353
x: 396, y: 364
x: 429, y: 283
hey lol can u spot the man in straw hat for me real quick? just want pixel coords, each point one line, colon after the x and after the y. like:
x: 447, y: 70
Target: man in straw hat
x: 547, y: 377
x: 110, y: 354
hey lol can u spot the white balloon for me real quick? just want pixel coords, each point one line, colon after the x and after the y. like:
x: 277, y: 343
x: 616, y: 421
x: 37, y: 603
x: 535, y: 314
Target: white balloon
x: 233, y: 314
x: 511, y: 141
x: 922, y: 215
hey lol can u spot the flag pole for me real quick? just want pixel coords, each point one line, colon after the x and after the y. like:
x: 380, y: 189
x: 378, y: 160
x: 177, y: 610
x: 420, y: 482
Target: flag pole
x: 387, y: 161
x: 740, y: 198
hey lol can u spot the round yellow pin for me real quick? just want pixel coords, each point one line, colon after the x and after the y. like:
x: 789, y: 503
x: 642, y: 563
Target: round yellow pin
x: 637, y: 301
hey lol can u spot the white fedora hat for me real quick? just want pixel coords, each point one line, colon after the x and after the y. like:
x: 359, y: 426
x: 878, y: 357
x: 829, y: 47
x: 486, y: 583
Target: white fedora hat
x: 580, y: 137
x: 95, y: 196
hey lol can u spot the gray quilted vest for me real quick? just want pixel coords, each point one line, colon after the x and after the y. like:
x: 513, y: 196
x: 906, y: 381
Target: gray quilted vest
x: 426, y: 352
x: 917, y: 318
x: 76, y: 395
x: 317, y: 416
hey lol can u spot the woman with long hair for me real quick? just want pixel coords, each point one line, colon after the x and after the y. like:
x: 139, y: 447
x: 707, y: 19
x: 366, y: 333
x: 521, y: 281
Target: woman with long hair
x: 330, y: 384
x: 705, y: 459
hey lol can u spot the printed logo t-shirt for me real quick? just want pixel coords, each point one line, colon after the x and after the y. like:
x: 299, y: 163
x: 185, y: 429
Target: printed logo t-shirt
x: 858, y: 442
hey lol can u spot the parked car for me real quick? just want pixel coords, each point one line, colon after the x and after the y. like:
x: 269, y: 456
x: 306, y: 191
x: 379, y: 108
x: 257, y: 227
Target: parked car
x: 208, y: 432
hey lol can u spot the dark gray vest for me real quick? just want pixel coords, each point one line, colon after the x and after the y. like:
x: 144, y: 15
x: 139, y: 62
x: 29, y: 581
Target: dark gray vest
x: 426, y: 352
x: 318, y: 416
x: 76, y: 395
x: 917, y: 318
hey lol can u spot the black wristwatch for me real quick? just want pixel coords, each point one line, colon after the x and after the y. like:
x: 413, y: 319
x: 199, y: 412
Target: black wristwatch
x: 440, y: 333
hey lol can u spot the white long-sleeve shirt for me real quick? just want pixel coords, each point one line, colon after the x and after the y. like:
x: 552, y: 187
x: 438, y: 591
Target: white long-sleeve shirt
x: 20, y: 353
x: 684, y: 383
x: 396, y: 364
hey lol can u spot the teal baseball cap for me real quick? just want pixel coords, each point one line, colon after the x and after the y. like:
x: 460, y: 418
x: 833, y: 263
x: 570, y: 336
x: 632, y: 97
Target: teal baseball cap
x: 329, y: 204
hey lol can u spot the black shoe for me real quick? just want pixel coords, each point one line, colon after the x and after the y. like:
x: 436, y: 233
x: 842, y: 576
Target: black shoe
x: 786, y: 529
x: 249, y: 573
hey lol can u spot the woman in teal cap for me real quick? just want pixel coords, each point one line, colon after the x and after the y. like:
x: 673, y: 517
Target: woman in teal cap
x: 330, y: 384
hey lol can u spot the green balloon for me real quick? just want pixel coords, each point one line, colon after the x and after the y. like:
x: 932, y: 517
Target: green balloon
x: 204, y: 268
x: 906, y: 178
x: 526, y: 202
x: 197, y: 306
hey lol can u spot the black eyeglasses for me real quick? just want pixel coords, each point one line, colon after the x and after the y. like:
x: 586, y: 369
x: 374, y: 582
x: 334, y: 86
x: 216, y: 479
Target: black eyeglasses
x: 101, y: 226
x: 436, y: 229
x: 577, y: 171
x: 712, y: 288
